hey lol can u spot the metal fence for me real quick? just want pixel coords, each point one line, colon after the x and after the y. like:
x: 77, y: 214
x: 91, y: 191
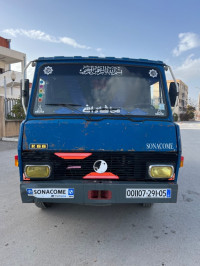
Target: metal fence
x: 9, y: 104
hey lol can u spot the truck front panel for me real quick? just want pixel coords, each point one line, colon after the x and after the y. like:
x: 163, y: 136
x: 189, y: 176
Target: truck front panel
x: 98, y: 129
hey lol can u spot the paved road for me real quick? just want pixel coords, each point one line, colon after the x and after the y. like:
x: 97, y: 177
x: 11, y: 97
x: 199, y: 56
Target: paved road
x: 167, y: 234
x: 189, y: 125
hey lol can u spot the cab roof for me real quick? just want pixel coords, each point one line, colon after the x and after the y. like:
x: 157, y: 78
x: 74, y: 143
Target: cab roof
x: 96, y: 58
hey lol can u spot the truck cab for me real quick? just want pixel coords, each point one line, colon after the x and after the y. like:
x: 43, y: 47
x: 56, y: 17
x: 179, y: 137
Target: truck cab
x: 99, y: 131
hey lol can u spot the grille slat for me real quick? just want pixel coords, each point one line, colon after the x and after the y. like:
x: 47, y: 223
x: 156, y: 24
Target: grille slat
x: 126, y: 165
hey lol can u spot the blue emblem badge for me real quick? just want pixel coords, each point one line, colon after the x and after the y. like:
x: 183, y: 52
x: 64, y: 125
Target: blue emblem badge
x: 29, y: 191
x: 71, y: 192
x: 168, y: 193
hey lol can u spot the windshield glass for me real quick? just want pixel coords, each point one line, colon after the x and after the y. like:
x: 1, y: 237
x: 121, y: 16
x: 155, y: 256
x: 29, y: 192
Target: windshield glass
x: 99, y: 90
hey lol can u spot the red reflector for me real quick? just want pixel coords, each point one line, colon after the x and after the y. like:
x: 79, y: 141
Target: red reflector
x: 73, y: 156
x: 106, y: 175
x: 99, y: 194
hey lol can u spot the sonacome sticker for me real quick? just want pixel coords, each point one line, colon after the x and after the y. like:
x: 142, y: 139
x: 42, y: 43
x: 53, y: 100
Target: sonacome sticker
x: 159, y: 146
x: 51, y: 192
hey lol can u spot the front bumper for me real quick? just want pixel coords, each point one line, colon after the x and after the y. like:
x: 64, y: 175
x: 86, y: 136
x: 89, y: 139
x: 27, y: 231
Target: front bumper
x: 81, y: 189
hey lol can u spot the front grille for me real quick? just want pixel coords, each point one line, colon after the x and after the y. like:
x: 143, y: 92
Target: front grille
x: 126, y: 165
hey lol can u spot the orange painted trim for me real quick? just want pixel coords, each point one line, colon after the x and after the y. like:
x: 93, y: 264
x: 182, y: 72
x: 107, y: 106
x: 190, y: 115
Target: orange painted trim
x: 25, y: 178
x: 172, y: 178
x: 72, y: 156
x: 106, y: 175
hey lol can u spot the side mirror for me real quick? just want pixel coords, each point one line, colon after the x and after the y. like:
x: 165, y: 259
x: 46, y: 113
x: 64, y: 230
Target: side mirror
x: 25, y: 92
x: 173, y: 93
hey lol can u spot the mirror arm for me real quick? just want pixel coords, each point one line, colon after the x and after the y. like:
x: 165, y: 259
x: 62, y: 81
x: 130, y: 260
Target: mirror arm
x: 23, y: 78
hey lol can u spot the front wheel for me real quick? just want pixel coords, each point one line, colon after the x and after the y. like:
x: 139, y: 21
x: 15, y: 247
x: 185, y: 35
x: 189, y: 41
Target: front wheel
x: 43, y: 205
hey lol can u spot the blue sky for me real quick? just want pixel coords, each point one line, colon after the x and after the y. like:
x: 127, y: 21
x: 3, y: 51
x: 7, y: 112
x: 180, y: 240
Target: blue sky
x: 154, y: 29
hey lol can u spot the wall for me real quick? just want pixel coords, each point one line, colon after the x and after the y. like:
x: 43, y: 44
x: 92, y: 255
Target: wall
x: 4, y: 42
x: 9, y: 83
x: 8, y: 128
x: 2, y: 118
x: 14, y: 95
x: 12, y: 128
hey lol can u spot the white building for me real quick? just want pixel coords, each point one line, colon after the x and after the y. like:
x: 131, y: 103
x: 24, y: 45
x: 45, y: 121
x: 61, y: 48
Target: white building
x: 10, y: 80
x: 182, y: 96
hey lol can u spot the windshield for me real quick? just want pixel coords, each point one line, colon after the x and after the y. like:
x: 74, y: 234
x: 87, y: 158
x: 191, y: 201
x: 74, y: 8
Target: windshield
x: 99, y: 90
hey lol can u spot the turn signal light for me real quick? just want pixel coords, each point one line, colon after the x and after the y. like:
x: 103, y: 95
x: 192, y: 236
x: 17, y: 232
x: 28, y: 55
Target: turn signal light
x: 161, y: 171
x: 182, y: 161
x: 16, y: 161
x: 37, y: 171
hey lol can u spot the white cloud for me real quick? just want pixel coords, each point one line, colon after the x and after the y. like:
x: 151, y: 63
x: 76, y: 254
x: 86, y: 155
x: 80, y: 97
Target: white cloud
x: 189, y: 70
x: 189, y: 73
x: 98, y: 49
x: 187, y: 41
x: 72, y: 42
x: 39, y: 35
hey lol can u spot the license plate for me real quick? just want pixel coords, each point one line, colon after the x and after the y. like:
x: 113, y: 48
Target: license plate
x: 51, y: 192
x: 148, y: 193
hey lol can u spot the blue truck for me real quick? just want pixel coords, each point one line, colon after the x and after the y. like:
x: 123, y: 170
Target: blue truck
x: 99, y: 131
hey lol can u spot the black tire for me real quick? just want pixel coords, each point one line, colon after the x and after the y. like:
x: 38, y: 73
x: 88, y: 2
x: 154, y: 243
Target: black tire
x: 43, y: 205
x: 147, y: 205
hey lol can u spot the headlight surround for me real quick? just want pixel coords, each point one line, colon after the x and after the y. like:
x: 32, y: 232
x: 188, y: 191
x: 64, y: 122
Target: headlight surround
x: 37, y: 171
x: 161, y: 171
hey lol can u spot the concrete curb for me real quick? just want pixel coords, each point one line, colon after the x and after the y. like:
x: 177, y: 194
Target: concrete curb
x: 13, y: 139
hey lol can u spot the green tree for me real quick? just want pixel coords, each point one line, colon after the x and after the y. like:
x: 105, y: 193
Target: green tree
x: 175, y: 116
x: 17, y: 111
x: 190, y: 111
x: 189, y: 114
